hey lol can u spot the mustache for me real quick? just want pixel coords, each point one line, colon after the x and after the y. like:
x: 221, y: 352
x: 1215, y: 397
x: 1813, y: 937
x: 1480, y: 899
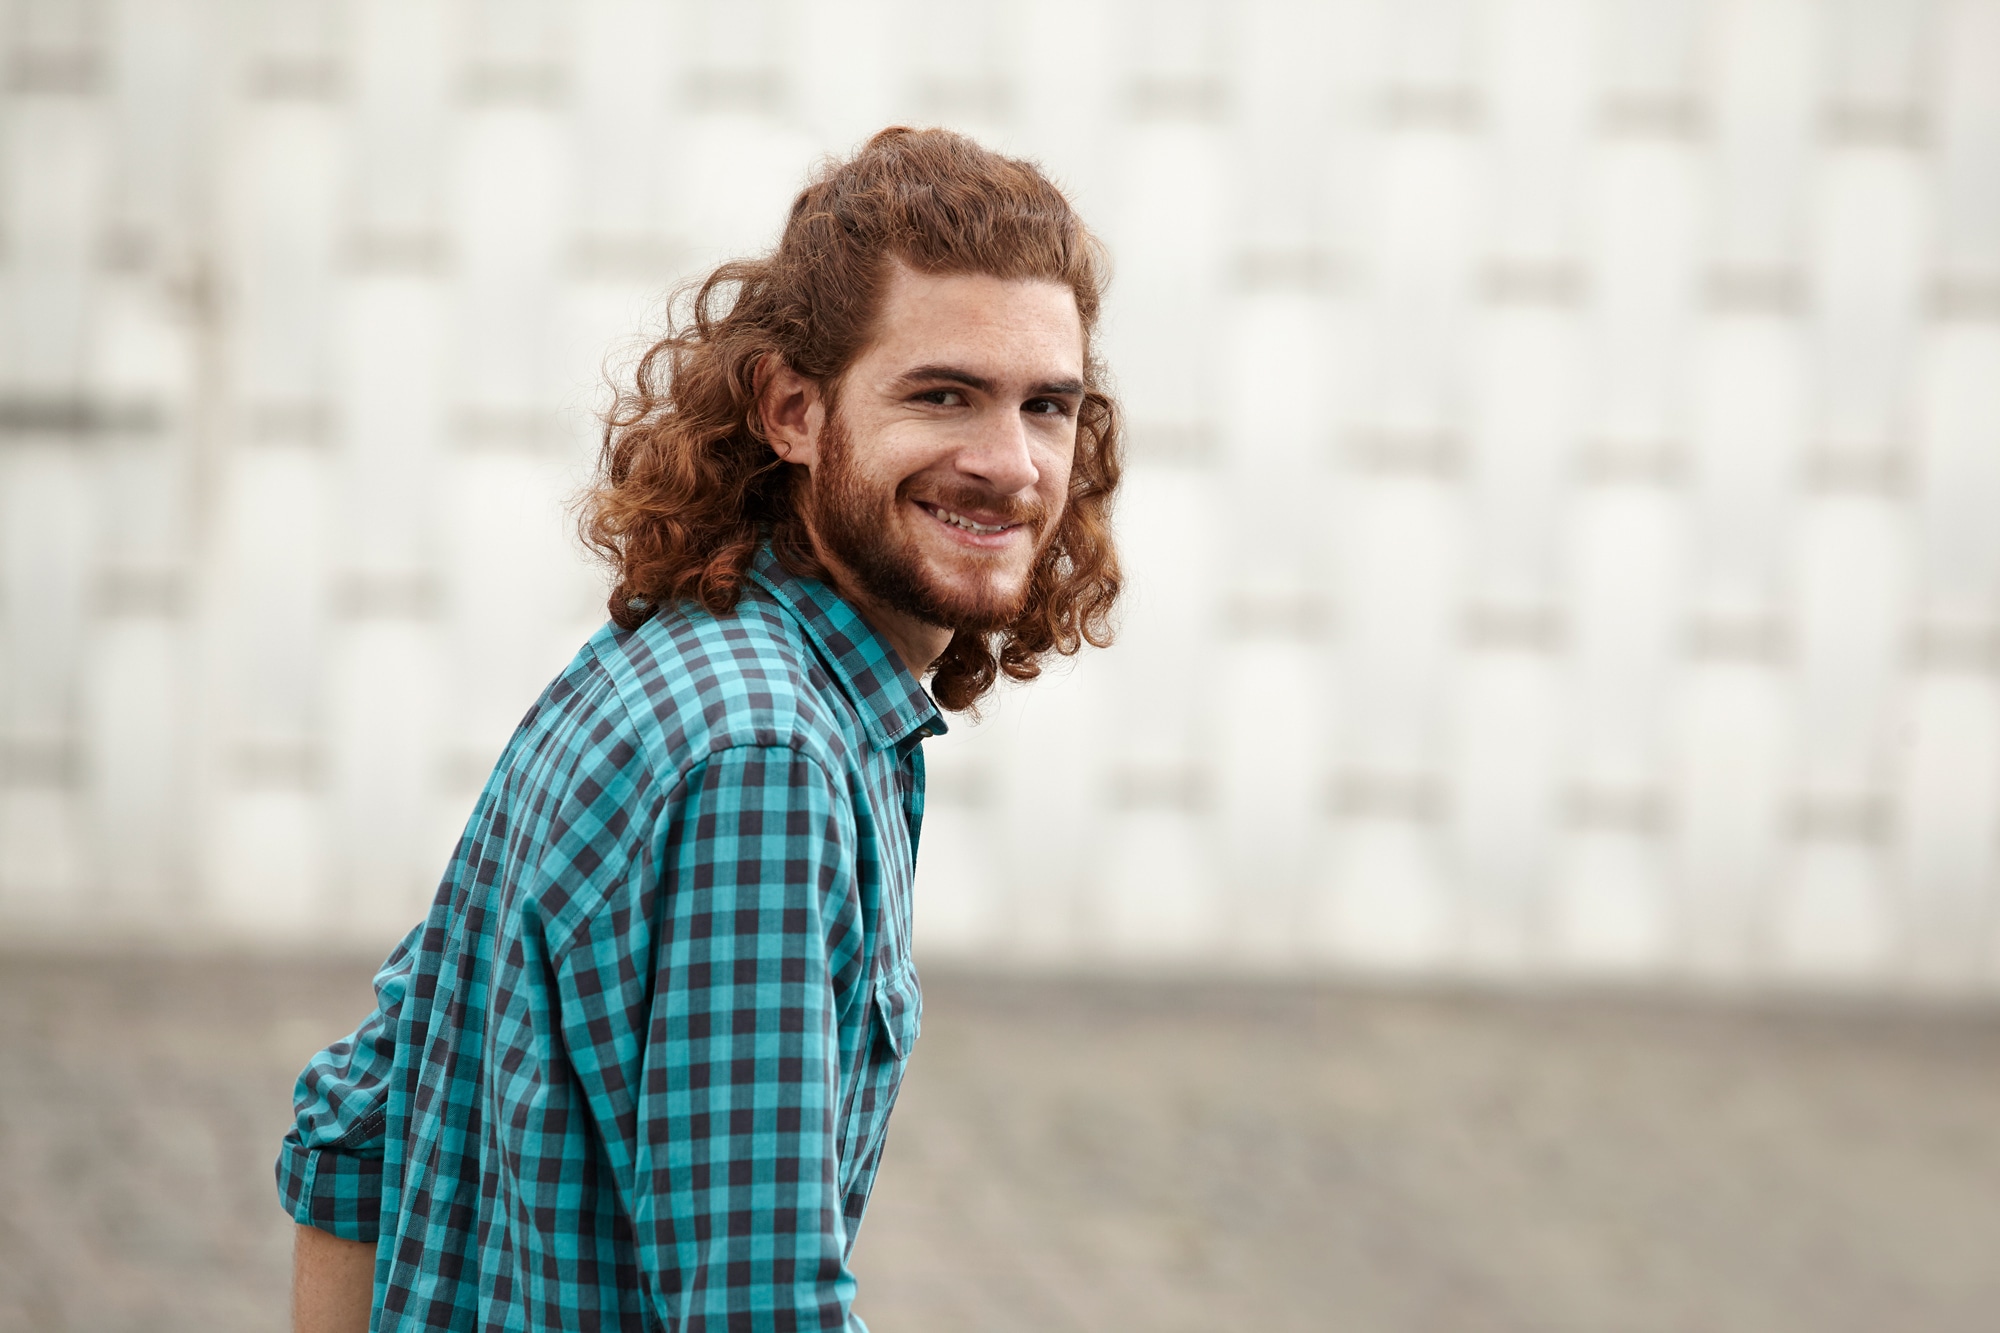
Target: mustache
x: 1029, y: 512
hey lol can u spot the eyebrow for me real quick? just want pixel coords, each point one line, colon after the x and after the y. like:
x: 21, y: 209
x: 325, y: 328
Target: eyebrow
x: 955, y: 375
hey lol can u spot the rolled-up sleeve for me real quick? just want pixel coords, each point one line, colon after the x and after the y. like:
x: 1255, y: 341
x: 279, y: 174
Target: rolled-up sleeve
x: 330, y: 1164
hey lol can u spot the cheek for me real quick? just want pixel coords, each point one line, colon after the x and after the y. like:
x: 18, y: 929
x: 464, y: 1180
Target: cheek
x: 884, y: 461
x: 1055, y: 469
x: 911, y: 448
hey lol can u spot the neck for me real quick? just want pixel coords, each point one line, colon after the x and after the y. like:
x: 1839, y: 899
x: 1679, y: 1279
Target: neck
x: 917, y: 642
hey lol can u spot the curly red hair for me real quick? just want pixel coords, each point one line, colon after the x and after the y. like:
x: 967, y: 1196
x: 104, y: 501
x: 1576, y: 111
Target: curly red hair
x: 688, y: 487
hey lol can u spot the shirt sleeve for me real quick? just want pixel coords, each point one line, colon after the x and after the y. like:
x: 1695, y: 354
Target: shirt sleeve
x: 735, y: 1192
x: 330, y: 1165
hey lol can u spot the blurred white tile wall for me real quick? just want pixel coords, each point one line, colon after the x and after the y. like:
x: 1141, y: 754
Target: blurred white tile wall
x: 1564, y: 508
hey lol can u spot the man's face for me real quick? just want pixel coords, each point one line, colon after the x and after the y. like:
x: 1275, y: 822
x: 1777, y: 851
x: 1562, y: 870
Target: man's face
x: 943, y: 471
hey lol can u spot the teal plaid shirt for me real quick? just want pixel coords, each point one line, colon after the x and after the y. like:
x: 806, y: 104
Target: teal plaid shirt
x: 635, y: 1069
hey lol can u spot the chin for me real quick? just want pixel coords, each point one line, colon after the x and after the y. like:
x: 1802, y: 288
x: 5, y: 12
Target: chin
x: 965, y: 600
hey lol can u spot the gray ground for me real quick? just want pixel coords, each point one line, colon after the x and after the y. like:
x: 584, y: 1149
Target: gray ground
x: 1137, y: 1156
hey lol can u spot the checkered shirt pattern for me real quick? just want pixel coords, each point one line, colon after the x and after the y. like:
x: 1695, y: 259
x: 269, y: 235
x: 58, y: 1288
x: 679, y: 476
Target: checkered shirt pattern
x: 635, y: 1069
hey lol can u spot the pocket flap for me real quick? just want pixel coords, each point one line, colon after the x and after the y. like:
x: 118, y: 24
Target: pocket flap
x: 899, y: 999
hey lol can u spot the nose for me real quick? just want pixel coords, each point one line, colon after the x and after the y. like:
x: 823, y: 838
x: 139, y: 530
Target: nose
x: 998, y: 455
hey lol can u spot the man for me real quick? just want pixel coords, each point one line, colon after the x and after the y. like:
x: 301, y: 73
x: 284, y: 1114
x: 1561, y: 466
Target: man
x: 635, y: 1069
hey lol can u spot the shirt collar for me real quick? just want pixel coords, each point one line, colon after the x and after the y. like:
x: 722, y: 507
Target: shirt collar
x: 895, y: 710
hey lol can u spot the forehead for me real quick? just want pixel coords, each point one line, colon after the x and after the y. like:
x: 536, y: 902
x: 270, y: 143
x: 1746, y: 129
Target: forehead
x: 1029, y: 326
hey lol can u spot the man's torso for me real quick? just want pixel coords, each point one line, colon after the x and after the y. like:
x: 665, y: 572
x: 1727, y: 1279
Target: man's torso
x: 666, y: 984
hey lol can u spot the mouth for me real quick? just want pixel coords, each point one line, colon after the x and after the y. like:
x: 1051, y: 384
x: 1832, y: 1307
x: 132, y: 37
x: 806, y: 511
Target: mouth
x: 969, y: 527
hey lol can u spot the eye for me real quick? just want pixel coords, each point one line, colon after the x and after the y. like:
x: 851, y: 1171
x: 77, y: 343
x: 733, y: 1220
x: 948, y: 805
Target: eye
x: 1046, y: 407
x: 942, y: 397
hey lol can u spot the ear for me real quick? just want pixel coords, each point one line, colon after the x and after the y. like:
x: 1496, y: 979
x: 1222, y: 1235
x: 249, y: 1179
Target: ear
x: 792, y: 412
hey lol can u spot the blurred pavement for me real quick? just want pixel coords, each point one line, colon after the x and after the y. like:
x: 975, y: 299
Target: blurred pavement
x: 1138, y: 1156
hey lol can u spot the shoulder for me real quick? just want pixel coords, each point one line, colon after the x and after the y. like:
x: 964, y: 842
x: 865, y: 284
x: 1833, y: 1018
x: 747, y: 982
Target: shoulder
x: 694, y: 683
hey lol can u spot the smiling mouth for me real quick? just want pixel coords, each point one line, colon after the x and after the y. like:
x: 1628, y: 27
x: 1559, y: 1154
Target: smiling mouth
x: 958, y: 520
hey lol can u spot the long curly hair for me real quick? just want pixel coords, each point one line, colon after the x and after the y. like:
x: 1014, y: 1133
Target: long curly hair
x: 688, y: 486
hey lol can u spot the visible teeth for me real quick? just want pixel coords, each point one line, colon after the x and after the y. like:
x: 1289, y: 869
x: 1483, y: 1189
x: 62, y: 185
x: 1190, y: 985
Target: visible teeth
x: 961, y: 521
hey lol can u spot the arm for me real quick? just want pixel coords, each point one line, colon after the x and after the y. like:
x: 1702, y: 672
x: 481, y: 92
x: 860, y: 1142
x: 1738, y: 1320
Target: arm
x: 333, y: 1282
x: 330, y: 1164
x: 729, y: 1090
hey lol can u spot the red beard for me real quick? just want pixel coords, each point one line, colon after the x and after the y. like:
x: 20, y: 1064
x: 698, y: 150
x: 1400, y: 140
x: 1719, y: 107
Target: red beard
x: 855, y: 526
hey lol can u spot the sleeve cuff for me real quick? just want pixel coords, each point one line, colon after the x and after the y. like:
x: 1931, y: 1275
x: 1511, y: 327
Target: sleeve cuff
x: 332, y: 1191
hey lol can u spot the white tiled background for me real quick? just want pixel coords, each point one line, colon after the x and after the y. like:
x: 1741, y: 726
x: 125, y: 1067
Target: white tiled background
x: 1563, y: 513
